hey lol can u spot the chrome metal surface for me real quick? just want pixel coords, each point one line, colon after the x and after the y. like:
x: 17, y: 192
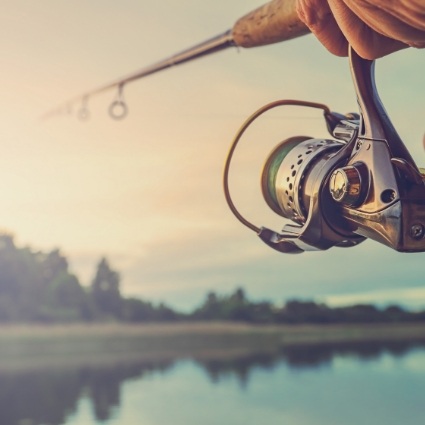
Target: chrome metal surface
x: 345, y: 185
x: 346, y: 130
x: 393, y: 211
x: 292, y: 176
x: 376, y: 124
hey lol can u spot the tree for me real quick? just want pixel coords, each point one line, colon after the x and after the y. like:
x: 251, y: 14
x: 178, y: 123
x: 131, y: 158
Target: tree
x: 54, y: 264
x: 210, y: 309
x: 136, y: 310
x: 237, y: 307
x: 105, y: 290
x: 21, y: 282
x: 66, y: 301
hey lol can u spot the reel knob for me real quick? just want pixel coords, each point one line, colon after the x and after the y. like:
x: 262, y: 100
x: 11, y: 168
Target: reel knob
x: 345, y: 185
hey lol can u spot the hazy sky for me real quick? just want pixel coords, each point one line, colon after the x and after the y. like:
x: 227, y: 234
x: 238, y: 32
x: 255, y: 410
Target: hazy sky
x: 146, y: 192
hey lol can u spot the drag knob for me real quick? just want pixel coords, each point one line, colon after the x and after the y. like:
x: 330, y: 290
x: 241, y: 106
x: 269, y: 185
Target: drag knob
x: 345, y: 185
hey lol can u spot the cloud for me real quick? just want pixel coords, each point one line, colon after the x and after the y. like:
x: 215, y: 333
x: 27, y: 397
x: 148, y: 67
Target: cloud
x: 413, y: 297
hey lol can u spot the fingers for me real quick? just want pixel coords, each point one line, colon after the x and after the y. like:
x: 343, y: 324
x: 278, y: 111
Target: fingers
x: 393, y: 20
x: 360, y: 29
x: 374, y: 28
x: 318, y: 17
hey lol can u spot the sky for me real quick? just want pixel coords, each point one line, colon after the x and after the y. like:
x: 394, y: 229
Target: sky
x: 146, y: 191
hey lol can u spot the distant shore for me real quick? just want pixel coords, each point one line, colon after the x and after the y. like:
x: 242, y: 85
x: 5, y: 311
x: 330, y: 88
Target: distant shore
x: 98, y: 343
x: 117, y: 336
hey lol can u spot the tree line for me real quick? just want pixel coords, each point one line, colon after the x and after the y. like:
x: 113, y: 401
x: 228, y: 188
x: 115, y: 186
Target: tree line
x: 39, y: 287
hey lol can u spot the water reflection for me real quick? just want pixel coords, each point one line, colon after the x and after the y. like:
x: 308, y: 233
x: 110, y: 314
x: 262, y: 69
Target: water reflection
x: 50, y: 395
x: 303, y: 356
x: 46, y: 396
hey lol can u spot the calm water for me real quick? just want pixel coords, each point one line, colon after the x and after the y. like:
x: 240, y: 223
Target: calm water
x: 344, y: 384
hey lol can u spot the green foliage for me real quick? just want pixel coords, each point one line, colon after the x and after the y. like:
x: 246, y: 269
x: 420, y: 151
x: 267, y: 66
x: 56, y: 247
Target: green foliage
x: 135, y: 310
x: 22, y: 283
x: 106, y: 292
x: 38, y: 287
x: 66, y: 300
x: 236, y: 307
x: 233, y: 307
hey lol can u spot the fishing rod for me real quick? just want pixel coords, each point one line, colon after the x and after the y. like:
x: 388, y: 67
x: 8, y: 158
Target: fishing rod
x: 273, y: 22
x: 362, y: 183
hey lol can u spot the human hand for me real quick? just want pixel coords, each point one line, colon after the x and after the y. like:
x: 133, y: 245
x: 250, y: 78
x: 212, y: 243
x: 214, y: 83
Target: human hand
x: 374, y: 28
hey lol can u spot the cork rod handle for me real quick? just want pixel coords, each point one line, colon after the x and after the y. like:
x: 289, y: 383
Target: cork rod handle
x: 271, y: 23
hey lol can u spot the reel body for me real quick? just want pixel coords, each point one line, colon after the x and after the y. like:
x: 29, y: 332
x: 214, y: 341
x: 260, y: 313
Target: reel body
x: 339, y: 192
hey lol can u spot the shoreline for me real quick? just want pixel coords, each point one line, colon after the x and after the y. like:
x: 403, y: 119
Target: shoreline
x: 289, y: 333
x: 77, y: 345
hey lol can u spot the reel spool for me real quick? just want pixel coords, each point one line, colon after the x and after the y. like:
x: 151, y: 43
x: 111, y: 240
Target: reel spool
x: 285, y: 181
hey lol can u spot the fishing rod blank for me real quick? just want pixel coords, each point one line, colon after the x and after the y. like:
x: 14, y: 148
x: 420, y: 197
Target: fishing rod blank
x: 273, y: 22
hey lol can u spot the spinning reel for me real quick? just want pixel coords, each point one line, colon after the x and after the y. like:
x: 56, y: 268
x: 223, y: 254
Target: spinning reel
x: 339, y: 192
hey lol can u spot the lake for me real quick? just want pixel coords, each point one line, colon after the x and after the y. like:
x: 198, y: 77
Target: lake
x: 345, y: 383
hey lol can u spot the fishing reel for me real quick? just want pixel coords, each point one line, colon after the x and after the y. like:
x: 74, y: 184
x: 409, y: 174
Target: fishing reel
x: 364, y: 184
